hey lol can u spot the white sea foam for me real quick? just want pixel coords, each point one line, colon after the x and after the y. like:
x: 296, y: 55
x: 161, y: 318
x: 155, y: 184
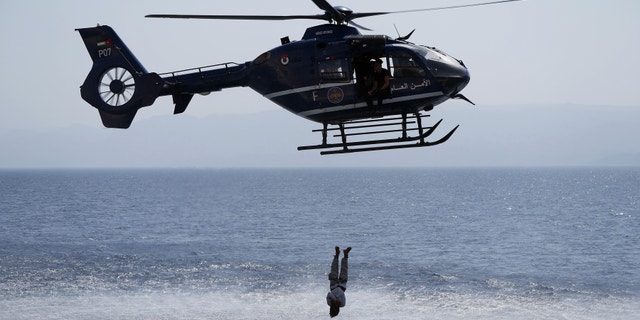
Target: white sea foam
x: 311, y: 305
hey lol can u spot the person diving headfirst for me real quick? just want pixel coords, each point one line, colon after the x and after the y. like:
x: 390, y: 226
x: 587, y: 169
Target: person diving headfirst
x: 336, y: 298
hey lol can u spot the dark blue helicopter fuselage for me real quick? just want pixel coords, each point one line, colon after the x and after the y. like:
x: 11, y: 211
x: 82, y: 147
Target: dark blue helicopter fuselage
x: 316, y: 77
x: 332, y: 75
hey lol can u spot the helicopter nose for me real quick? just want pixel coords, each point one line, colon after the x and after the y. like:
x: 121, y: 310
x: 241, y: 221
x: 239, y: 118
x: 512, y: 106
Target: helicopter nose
x: 463, y: 80
x: 454, y: 77
x: 452, y: 74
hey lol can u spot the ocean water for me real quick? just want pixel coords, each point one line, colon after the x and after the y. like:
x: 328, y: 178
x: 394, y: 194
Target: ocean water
x: 445, y: 243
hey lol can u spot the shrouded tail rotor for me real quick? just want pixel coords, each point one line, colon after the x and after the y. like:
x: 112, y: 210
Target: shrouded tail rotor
x: 117, y: 85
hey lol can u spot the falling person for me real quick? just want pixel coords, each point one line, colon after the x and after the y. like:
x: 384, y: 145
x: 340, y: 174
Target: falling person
x: 338, y: 283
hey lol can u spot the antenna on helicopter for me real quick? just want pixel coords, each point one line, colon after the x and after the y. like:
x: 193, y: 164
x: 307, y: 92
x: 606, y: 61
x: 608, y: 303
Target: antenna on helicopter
x: 403, y: 38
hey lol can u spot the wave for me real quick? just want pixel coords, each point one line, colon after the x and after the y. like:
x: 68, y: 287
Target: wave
x: 375, y: 303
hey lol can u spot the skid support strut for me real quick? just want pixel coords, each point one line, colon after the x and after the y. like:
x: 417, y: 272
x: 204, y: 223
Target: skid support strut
x: 378, y: 134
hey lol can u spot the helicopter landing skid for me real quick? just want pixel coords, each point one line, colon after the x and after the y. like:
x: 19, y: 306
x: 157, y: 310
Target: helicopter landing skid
x: 404, y: 125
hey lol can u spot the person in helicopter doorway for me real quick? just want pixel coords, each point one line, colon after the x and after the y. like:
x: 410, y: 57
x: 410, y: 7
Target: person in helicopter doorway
x: 338, y: 283
x: 364, y: 75
x: 380, y: 88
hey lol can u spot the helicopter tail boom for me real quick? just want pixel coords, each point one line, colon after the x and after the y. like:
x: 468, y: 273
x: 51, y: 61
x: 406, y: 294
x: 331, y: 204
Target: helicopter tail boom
x: 118, y: 84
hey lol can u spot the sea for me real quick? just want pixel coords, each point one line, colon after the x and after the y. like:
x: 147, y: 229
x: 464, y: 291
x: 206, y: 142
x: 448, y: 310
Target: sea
x: 257, y: 243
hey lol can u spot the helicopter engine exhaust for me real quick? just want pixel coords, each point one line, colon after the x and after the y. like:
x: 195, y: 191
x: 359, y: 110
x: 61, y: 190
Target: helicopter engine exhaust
x: 117, y: 85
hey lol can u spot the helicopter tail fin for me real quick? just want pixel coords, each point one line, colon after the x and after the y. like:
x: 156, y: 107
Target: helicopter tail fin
x: 117, y: 85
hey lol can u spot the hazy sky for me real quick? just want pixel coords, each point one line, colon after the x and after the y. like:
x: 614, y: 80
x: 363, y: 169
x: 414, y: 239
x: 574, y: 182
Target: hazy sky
x: 533, y: 52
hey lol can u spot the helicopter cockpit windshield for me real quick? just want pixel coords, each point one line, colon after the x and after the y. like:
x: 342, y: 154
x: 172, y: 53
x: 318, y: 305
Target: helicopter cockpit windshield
x: 441, y: 64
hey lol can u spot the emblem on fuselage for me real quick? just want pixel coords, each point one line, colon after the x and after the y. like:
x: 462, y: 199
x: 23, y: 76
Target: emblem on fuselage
x: 335, y: 95
x: 284, y: 59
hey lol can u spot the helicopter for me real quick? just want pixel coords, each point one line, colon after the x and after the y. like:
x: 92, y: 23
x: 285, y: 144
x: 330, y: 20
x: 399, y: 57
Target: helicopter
x: 323, y: 77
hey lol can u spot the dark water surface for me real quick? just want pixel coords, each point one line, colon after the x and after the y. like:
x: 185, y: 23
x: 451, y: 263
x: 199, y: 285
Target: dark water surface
x: 495, y: 243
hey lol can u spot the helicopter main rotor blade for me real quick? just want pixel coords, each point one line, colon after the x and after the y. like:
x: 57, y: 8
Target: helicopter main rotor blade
x: 359, y: 26
x: 324, y: 5
x: 236, y: 17
x: 331, y: 13
x: 356, y: 15
x: 340, y: 15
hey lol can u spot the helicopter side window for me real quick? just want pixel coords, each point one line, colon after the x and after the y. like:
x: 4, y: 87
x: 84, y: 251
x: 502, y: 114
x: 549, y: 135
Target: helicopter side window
x: 403, y: 65
x: 334, y: 70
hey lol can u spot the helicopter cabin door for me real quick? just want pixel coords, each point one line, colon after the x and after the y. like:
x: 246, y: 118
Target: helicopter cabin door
x: 334, y: 82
